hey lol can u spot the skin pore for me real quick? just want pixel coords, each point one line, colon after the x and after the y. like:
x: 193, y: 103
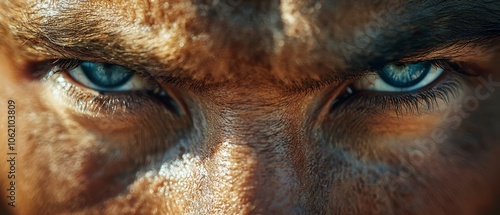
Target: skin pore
x: 256, y: 114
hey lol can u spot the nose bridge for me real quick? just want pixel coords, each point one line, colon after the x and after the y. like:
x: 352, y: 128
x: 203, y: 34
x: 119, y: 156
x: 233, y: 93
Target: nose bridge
x: 253, y: 161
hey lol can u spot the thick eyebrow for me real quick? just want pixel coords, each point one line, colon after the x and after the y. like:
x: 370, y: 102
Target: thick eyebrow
x: 422, y: 27
x: 417, y: 28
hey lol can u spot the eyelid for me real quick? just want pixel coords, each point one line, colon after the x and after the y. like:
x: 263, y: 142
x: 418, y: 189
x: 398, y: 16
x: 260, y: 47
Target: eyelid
x: 91, y: 102
x: 164, y: 78
x: 373, y: 82
x: 414, y: 102
x: 67, y: 64
x: 138, y: 81
x: 135, y: 82
x: 445, y: 64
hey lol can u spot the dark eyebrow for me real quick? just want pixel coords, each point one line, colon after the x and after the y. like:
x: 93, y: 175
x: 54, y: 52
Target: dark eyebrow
x: 416, y: 28
x: 422, y: 27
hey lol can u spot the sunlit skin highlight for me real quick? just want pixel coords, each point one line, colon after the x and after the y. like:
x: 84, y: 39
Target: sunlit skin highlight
x: 261, y: 123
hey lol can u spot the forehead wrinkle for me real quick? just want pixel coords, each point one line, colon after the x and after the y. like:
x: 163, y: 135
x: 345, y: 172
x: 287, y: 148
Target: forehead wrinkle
x: 305, y: 53
x: 197, y: 41
x: 297, y: 41
x: 284, y: 32
x: 196, y: 38
x: 174, y: 43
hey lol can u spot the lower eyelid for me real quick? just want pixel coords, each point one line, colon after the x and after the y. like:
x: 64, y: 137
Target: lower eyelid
x: 430, y: 99
x: 92, y: 103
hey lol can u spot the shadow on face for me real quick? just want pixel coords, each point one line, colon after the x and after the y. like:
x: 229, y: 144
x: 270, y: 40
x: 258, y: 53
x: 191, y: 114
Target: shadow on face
x: 250, y: 107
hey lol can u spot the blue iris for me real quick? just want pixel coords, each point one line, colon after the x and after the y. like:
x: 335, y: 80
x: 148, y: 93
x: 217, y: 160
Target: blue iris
x: 106, y: 75
x: 406, y: 75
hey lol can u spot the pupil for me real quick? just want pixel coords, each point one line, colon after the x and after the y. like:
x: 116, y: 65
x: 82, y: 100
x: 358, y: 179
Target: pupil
x: 404, y: 76
x: 106, y: 75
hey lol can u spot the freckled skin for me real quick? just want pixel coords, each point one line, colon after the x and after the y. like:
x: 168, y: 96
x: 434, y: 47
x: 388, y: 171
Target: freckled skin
x: 248, y: 139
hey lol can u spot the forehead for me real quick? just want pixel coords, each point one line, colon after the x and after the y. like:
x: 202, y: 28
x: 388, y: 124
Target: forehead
x: 224, y: 39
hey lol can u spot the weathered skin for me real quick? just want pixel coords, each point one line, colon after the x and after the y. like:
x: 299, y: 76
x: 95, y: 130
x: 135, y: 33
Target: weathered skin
x: 256, y: 134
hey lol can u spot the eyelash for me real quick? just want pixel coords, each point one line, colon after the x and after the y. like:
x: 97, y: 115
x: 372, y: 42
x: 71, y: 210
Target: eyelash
x: 400, y: 103
x: 444, y: 88
x: 109, y: 103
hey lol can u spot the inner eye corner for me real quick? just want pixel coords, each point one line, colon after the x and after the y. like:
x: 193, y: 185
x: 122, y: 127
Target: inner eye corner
x: 334, y: 97
x: 90, y: 81
x: 352, y: 90
x: 172, y: 99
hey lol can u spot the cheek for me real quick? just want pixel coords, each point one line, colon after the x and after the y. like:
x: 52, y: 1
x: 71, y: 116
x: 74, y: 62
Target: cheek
x: 60, y: 160
x: 63, y: 160
x: 67, y: 161
x: 435, y: 187
x: 445, y: 163
x: 439, y: 179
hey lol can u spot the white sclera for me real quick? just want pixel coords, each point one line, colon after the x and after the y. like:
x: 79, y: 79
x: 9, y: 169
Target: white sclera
x: 373, y: 82
x: 135, y: 83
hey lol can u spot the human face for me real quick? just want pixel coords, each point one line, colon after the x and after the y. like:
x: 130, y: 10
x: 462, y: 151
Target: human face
x: 251, y: 107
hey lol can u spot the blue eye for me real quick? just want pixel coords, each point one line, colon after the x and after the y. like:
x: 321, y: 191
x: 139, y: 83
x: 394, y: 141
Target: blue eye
x: 404, y: 76
x: 401, y: 78
x: 105, y: 77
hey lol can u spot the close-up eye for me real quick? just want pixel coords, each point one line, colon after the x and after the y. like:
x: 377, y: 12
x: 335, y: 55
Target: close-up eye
x: 105, y: 77
x: 407, y: 86
x: 97, y: 87
x: 401, y: 77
